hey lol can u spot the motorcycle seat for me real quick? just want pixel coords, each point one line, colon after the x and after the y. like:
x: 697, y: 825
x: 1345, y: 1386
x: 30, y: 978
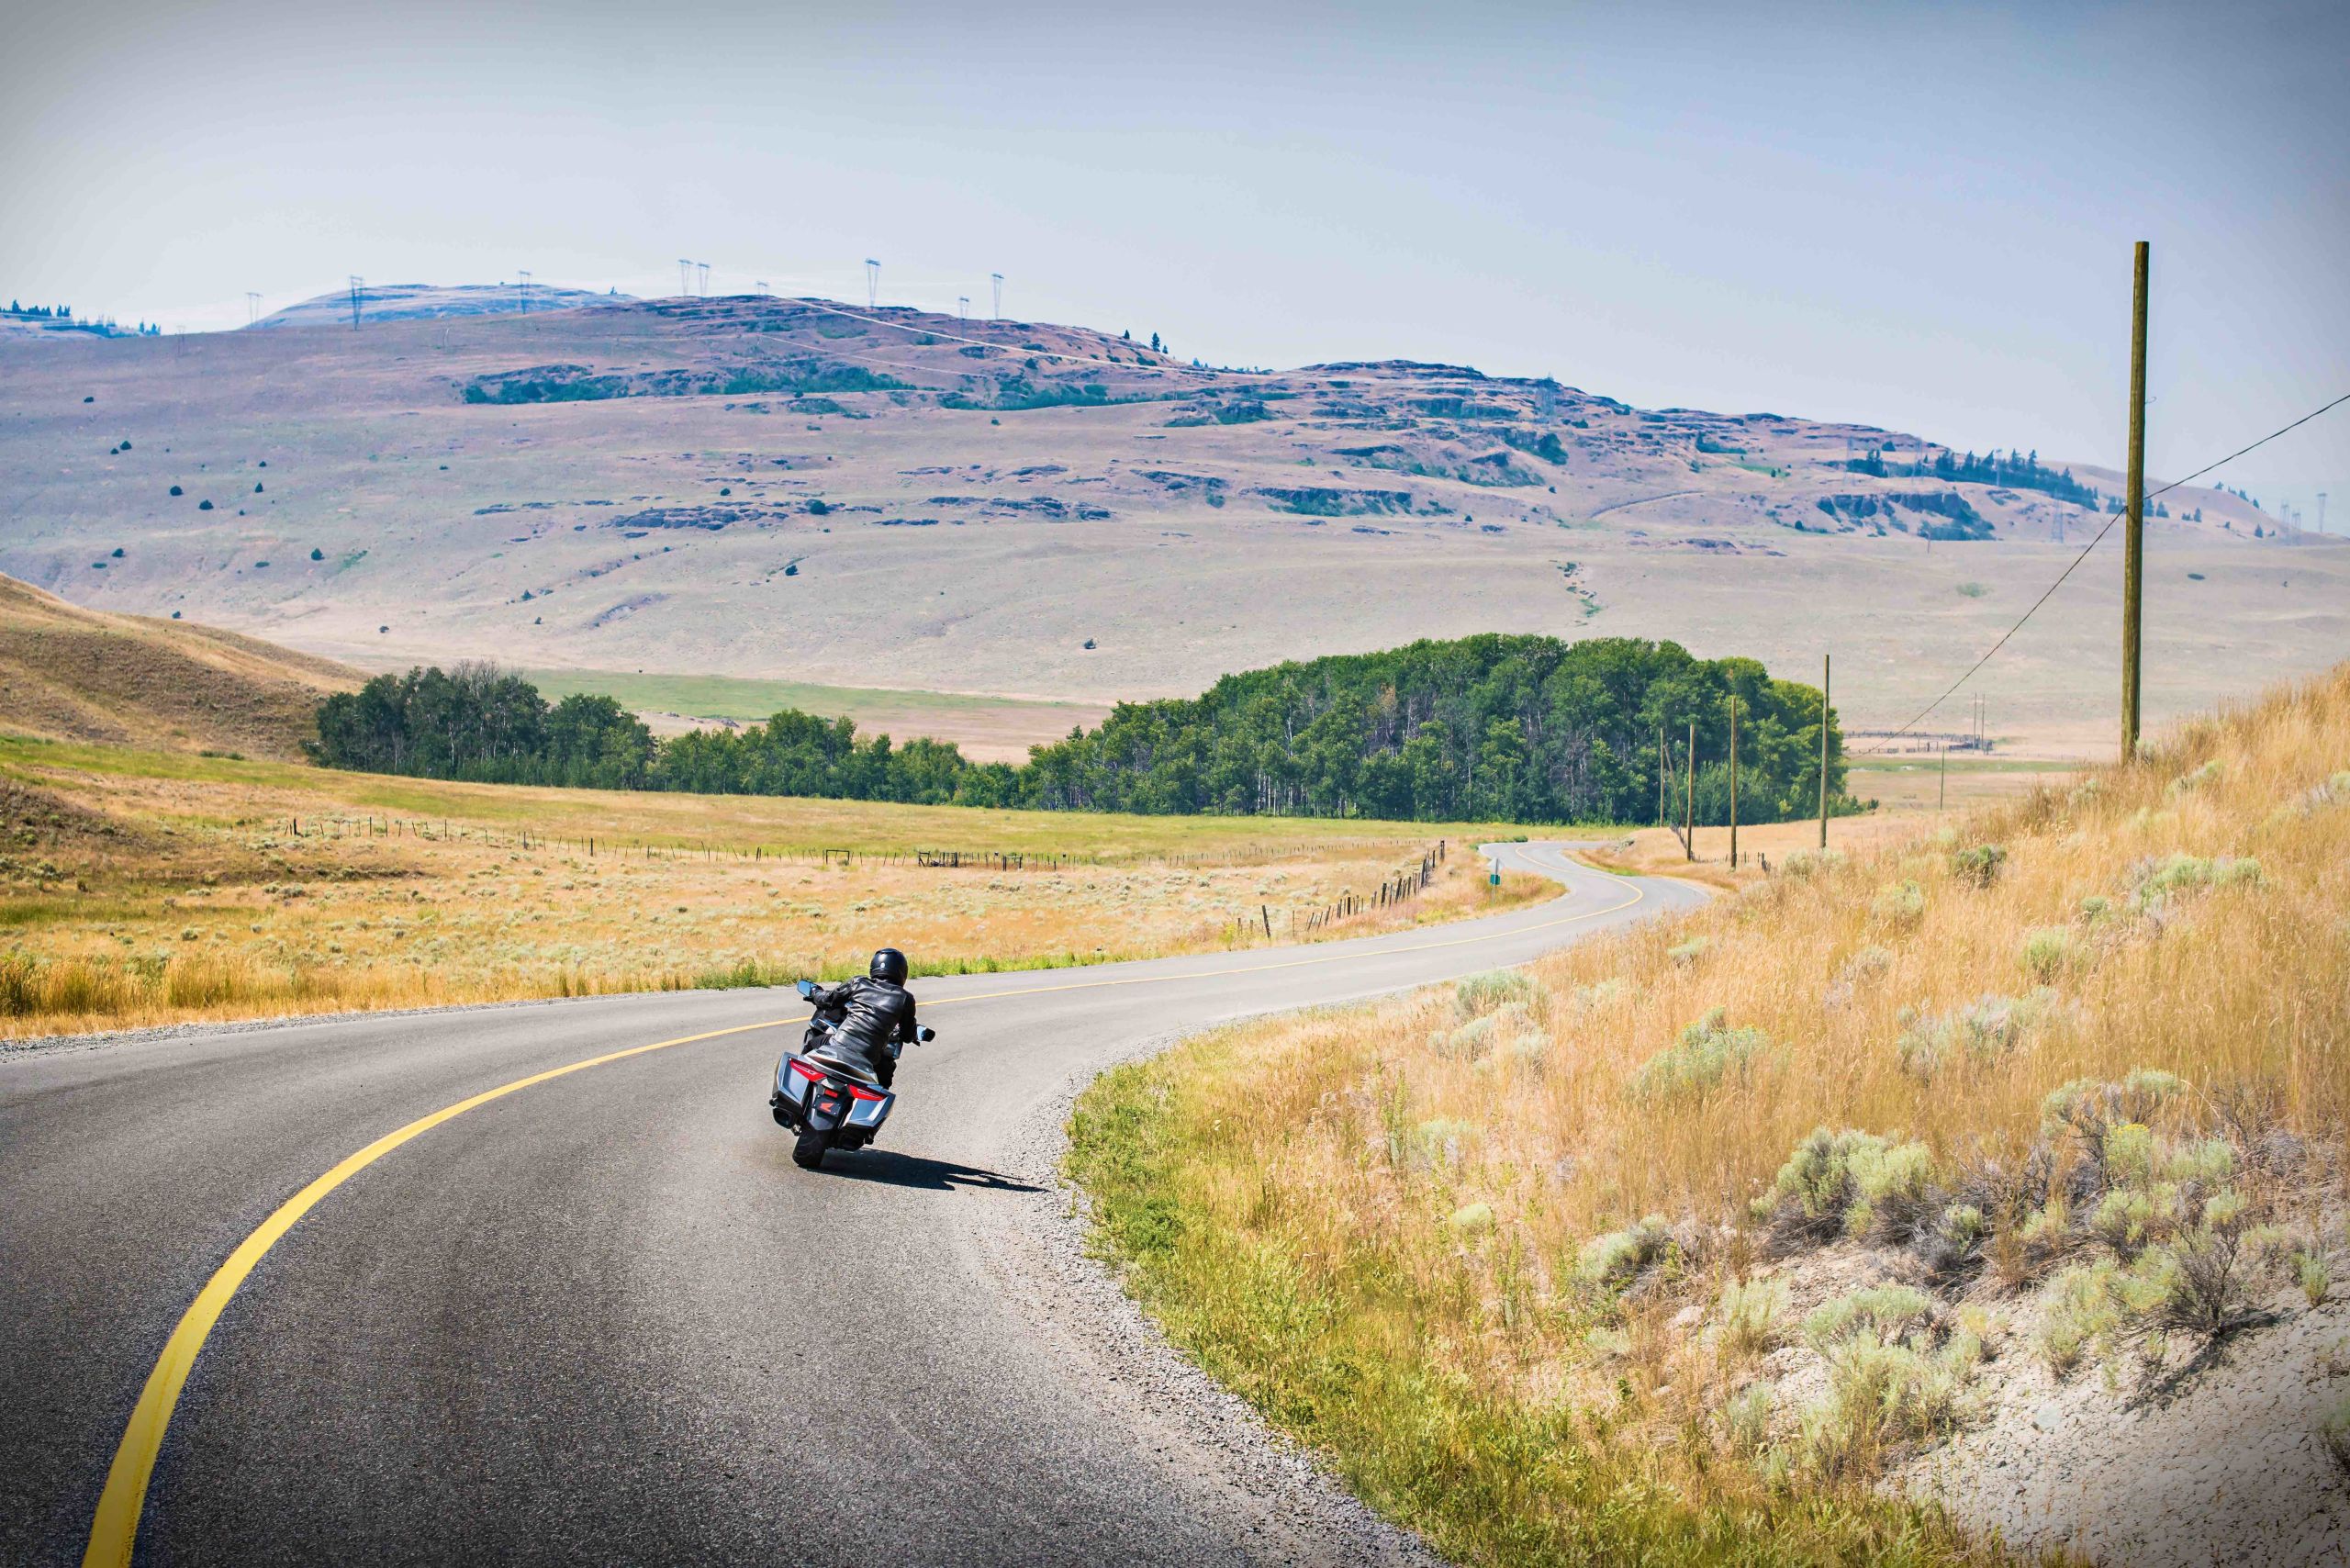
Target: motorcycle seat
x: 846, y: 1070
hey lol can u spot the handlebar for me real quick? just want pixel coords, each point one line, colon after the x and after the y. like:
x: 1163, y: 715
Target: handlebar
x: 923, y: 1035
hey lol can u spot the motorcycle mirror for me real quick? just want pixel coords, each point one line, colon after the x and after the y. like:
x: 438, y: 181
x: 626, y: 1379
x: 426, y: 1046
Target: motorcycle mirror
x: 806, y: 988
x: 928, y: 1033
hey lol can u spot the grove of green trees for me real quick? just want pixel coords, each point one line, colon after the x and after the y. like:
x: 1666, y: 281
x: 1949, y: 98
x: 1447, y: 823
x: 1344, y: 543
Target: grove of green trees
x: 2025, y: 473
x: 1524, y: 729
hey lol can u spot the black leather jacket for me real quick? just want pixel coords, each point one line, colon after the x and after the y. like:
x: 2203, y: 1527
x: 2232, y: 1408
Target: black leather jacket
x: 871, y: 1020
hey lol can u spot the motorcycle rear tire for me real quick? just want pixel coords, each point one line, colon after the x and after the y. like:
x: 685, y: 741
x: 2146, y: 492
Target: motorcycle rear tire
x: 809, y: 1151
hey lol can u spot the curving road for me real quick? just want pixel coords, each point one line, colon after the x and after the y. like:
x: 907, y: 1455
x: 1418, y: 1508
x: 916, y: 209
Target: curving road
x: 602, y: 1318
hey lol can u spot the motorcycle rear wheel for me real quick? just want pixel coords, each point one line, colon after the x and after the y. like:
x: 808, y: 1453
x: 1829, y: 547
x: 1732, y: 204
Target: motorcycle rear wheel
x: 809, y: 1151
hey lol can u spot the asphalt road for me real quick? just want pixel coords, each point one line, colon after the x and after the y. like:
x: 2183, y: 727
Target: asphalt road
x: 603, y: 1318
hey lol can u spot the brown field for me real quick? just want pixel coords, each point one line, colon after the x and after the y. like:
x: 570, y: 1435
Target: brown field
x: 143, y: 888
x: 2081, y: 1064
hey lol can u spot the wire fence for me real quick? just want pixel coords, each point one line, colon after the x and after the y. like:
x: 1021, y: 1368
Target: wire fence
x: 335, y: 828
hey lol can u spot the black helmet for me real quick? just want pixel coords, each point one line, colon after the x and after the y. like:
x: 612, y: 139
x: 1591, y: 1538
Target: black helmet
x: 888, y: 964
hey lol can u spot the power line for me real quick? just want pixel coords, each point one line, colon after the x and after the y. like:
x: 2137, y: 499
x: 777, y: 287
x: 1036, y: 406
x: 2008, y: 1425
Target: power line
x: 921, y: 330
x: 2083, y: 555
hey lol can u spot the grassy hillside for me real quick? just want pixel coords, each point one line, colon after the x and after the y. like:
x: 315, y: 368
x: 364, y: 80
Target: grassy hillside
x: 1987, y: 1183
x: 75, y: 673
x: 1027, y: 511
x: 145, y: 887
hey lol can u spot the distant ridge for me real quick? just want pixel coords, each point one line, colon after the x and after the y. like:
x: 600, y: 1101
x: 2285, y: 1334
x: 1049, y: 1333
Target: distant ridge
x: 424, y: 301
x: 800, y: 492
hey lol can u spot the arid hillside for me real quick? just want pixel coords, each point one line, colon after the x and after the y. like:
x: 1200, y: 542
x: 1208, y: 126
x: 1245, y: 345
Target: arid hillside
x: 72, y: 674
x: 791, y: 490
x: 1976, y: 1196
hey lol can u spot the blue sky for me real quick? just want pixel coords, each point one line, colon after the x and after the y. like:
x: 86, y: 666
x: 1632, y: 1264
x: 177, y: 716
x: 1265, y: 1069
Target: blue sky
x: 1918, y: 217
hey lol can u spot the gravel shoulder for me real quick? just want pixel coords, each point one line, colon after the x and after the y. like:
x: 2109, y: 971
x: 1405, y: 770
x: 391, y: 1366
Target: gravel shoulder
x: 1295, y: 1509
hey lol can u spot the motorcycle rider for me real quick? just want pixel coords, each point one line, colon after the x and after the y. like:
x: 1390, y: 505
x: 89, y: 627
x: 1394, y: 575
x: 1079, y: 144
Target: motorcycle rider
x: 872, y: 1018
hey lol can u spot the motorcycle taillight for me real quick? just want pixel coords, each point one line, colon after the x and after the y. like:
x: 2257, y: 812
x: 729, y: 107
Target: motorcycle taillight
x: 812, y: 1074
x: 866, y: 1094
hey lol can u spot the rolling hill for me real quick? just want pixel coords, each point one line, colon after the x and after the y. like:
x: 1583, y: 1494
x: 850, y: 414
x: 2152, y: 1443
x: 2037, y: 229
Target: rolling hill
x: 793, y: 491
x: 428, y: 302
x: 68, y: 672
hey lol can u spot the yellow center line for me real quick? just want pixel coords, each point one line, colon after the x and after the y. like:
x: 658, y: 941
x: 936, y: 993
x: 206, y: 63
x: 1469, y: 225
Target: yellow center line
x: 114, y: 1529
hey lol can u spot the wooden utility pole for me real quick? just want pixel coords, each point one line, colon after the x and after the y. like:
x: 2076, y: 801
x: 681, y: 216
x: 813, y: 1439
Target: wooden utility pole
x: 2133, y: 558
x: 1941, y: 792
x: 1664, y: 770
x: 1824, y: 665
x: 1733, y: 780
x: 1689, y: 799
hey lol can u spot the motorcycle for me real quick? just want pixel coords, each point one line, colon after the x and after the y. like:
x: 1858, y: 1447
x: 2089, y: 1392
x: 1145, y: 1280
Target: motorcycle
x: 828, y: 1102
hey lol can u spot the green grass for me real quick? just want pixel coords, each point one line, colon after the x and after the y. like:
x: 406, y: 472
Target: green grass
x: 25, y: 756
x: 24, y: 915
x: 734, y: 696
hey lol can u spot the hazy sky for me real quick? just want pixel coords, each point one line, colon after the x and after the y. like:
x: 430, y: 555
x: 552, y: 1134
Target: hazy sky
x: 1915, y: 216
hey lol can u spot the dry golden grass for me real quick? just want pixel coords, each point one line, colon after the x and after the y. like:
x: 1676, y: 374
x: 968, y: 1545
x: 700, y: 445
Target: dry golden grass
x: 80, y: 674
x: 141, y: 888
x: 1401, y: 1192
x: 1907, y: 790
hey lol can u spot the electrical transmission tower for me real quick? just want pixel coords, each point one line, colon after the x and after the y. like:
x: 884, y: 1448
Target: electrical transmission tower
x: 995, y: 280
x: 764, y: 290
x: 962, y: 307
x: 253, y: 308
x: 2321, y: 511
x: 872, y: 283
x: 525, y: 289
x: 704, y: 268
x: 358, y: 292
x: 684, y: 277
